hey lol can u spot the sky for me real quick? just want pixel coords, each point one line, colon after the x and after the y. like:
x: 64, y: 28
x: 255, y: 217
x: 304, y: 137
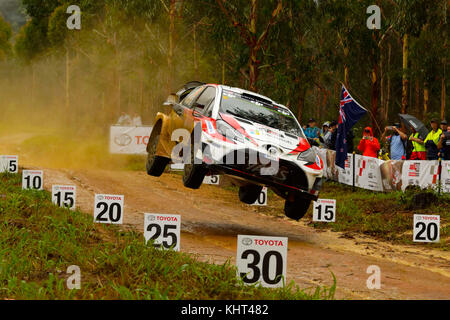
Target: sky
x: 12, y: 12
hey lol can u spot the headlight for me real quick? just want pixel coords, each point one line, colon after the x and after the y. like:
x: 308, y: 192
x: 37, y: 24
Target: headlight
x: 308, y: 156
x: 228, y: 131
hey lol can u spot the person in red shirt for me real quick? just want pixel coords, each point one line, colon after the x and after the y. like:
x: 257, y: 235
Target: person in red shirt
x: 369, y: 145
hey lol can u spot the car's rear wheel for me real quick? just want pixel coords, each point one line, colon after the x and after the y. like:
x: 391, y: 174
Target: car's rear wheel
x: 296, y: 209
x: 155, y: 164
x: 193, y: 173
x: 249, y: 194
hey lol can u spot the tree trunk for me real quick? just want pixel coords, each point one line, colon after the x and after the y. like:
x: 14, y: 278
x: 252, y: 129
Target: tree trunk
x: 195, y: 52
x: 300, y: 104
x: 374, y: 98
x: 404, y: 75
x: 172, y: 12
x: 425, y: 100
x: 443, y: 96
x: 253, y: 59
x: 388, y: 95
x: 417, y: 98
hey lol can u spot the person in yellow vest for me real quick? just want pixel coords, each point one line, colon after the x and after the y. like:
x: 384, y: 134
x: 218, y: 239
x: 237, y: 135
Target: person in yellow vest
x: 432, y: 140
x: 419, y: 152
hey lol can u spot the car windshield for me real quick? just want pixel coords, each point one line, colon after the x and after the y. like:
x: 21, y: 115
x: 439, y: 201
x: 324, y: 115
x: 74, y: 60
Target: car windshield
x: 258, y: 110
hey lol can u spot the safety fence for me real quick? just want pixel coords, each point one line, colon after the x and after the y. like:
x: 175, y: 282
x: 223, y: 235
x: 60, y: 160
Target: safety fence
x: 380, y: 175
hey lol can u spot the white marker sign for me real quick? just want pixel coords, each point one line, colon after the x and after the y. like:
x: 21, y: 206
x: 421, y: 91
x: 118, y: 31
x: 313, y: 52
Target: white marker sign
x: 426, y: 228
x: 324, y: 210
x: 9, y: 164
x: 32, y: 179
x: 213, y: 179
x: 163, y: 229
x: 262, y: 260
x: 262, y: 199
x: 64, y: 196
x: 108, y: 208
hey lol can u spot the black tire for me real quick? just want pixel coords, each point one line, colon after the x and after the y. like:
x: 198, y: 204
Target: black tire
x: 194, y: 174
x: 249, y: 194
x: 155, y: 164
x: 296, y: 209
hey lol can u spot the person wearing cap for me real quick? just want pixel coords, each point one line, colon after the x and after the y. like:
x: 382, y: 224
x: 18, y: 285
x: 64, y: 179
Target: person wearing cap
x: 444, y: 125
x: 323, y: 132
x: 397, y: 142
x: 419, y: 151
x: 432, y: 140
x: 312, y: 131
x: 444, y: 142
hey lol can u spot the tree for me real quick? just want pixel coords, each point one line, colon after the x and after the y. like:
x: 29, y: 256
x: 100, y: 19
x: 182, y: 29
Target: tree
x: 5, y: 37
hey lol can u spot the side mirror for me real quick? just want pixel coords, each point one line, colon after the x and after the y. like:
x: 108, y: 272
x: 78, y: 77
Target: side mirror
x: 171, y: 100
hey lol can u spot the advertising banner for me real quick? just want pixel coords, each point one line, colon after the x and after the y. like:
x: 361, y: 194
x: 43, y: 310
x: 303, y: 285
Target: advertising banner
x: 367, y: 173
x: 420, y: 173
x: 129, y: 140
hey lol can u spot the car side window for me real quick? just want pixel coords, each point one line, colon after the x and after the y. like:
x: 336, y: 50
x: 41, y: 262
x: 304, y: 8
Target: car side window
x: 205, y: 99
x: 209, y: 109
x: 190, y: 99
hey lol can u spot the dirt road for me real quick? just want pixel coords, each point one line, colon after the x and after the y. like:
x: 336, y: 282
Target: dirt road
x: 212, y: 217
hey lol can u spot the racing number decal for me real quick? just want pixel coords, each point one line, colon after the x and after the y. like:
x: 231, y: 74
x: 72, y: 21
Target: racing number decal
x: 64, y: 196
x: 426, y: 228
x: 108, y: 208
x: 162, y: 230
x: 262, y: 260
x: 324, y: 210
x: 32, y: 179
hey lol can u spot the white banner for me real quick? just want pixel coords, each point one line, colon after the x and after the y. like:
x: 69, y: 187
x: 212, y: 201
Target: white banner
x: 346, y: 176
x: 129, y: 140
x: 367, y: 173
x: 420, y: 173
x: 445, y: 176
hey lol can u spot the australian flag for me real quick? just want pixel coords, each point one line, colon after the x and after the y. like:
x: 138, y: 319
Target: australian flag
x: 350, y: 112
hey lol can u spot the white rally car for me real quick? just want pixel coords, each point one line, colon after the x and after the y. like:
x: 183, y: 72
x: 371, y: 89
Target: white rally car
x: 246, y: 136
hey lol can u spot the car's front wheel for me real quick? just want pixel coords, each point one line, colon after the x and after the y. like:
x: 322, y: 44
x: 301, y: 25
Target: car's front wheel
x: 249, y: 194
x: 155, y: 164
x: 193, y: 173
x: 296, y: 209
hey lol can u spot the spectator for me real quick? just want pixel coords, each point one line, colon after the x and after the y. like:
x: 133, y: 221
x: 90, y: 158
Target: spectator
x: 432, y: 140
x: 323, y: 132
x: 444, y: 125
x: 369, y: 145
x: 137, y: 121
x: 419, y: 152
x: 444, y: 144
x: 124, y: 120
x: 397, y: 142
x: 312, y: 131
x: 330, y: 139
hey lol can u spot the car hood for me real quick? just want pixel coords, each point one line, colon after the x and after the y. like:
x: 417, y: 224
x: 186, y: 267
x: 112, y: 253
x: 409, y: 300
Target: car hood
x: 263, y: 136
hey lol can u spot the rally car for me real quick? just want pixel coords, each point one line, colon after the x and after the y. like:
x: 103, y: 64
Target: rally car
x: 246, y: 136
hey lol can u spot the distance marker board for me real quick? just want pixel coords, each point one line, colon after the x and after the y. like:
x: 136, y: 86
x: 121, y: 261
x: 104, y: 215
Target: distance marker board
x: 262, y: 259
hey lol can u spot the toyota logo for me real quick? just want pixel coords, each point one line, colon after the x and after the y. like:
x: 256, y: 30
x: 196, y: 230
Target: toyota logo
x: 247, y: 241
x: 123, y: 140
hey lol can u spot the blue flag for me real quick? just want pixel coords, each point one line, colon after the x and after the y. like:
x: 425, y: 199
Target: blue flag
x: 350, y: 112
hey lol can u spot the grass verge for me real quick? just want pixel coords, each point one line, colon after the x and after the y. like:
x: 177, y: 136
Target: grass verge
x: 387, y: 216
x: 39, y: 241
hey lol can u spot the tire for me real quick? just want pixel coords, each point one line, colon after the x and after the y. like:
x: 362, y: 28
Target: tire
x: 155, y: 164
x: 296, y: 209
x: 194, y: 174
x: 249, y: 194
